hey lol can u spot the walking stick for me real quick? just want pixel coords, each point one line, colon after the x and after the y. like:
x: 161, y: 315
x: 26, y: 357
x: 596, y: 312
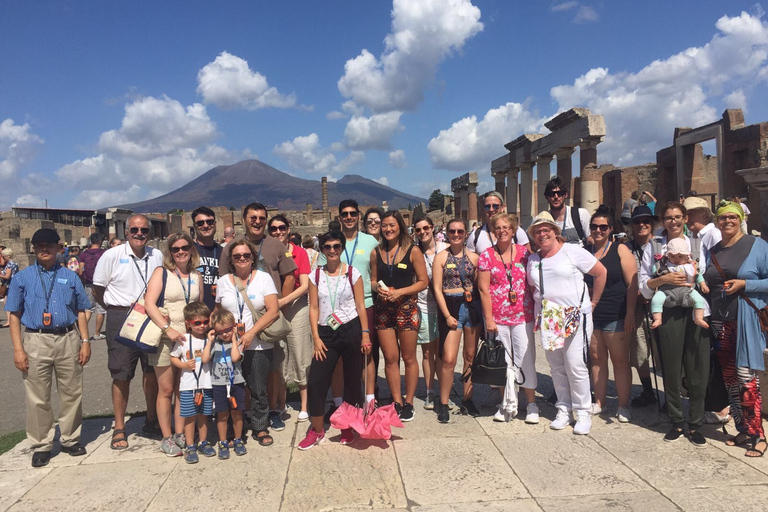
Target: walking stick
x: 648, y: 341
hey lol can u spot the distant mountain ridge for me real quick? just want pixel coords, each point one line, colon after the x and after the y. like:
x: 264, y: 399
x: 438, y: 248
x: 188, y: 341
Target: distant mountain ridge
x: 254, y: 181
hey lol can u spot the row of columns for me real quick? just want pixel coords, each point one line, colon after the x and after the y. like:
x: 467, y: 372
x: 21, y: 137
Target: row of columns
x: 464, y: 190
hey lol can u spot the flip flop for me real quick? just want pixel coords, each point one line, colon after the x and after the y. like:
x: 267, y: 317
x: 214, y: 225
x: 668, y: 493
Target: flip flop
x: 114, y: 444
x: 737, y: 440
x: 753, y: 449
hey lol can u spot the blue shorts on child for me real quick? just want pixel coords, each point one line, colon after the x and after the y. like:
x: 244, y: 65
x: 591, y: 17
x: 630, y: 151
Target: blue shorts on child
x: 221, y: 402
x: 188, y: 407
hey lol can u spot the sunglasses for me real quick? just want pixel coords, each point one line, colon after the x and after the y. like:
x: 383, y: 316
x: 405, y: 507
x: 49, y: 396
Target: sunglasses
x: 225, y: 331
x: 556, y: 193
x: 456, y: 231
x: 184, y: 248
x: 373, y: 222
x: 143, y: 231
x: 344, y: 215
x: 244, y: 256
x: 207, y: 222
x: 255, y: 219
x: 494, y: 206
x: 279, y: 227
x: 637, y: 222
x: 424, y: 229
x: 601, y: 227
x: 198, y: 323
x: 332, y: 247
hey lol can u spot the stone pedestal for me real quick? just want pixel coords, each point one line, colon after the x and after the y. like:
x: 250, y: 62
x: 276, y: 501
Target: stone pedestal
x: 543, y: 175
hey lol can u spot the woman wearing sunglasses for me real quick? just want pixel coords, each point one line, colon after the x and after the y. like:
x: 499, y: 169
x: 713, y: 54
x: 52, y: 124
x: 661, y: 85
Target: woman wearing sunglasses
x: 372, y: 222
x: 399, y: 265
x: 242, y: 292
x: 454, y: 275
x: 183, y: 284
x: 614, y: 315
x: 295, y: 307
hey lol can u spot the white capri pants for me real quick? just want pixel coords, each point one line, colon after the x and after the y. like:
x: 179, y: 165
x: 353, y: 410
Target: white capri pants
x: 520, y: 341
x: 569, y: 370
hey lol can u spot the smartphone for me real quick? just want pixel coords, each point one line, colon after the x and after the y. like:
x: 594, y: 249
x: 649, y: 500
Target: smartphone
x: 382, y: 286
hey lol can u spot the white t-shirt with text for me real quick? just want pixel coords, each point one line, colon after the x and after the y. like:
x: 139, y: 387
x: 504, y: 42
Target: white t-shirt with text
x: 201, y: 377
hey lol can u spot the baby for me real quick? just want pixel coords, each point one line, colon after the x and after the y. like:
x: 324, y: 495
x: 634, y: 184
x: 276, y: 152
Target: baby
x: 678, y: 260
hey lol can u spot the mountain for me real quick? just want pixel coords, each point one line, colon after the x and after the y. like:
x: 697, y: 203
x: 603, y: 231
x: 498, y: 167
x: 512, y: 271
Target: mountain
x: 254, y: 181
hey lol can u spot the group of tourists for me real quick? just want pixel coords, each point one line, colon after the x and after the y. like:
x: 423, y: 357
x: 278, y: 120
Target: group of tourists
x: 241, y: 321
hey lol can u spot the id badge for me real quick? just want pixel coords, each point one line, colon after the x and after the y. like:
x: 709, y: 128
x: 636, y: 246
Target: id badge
x: 198, y: 397
x: 240, y: 329
x: 468, y: 295
x: 333, y: 322
x: 47, y: 319
x: 213, y: 290
x: 232, y: 401
x: 512, y: 297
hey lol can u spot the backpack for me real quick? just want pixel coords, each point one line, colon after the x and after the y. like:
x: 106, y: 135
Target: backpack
x: 480, y: 230
x: 89, y: 258
x: 576, y: 219
x: 349, y: 277
x: 656, y: 265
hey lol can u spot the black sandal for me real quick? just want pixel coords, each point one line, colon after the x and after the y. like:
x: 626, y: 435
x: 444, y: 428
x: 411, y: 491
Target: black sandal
x: 264, y: 440
x: 738, y: 440
x: 114, y: 444
x: 754, y: 449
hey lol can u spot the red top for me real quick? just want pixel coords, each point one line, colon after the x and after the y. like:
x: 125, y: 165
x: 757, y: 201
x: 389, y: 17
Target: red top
x: 301, y: 258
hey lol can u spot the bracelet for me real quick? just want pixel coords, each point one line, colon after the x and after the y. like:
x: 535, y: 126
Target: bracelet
x: 366, y: 330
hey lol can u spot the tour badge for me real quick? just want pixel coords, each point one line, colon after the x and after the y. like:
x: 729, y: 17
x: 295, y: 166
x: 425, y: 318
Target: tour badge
x: 198, y: 397
x: 232, y: 403
x: 512, y: 297
x: 47, y: 319
x: 468, y: 295
x: 240, y: 329
x: 213, y: 290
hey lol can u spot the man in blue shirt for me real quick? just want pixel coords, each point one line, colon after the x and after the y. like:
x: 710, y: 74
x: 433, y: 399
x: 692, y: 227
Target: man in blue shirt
x: 48, y: 300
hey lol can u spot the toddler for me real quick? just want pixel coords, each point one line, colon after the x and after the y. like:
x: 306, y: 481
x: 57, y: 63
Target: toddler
x: 195, y: 393
x: 227, y: 380
x: 678, y: 260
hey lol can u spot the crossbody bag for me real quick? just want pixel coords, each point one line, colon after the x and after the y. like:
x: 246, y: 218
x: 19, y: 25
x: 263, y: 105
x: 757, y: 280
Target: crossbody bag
x: 275, y: 332
x: 762, y: 314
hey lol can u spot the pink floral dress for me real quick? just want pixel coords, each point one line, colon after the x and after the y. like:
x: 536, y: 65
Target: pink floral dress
x: 504, y: 312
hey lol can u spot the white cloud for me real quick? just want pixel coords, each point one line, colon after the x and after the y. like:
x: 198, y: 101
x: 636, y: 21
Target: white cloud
x: 383, y: 180
x: 472, y: 144
x: 564, y: 6
x: 18, y: 146
x: 584, y: 13
x: 397, y: 159
x: 29, y: 201
x: 335, y: 115
x: 736, y: 99
x: 372, y: 132
x: 423, y: 34
x: 307, y: 154
x: 229, y: 83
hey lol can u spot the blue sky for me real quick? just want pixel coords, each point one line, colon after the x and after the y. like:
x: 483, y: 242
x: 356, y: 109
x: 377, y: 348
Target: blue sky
x: 110, y: 102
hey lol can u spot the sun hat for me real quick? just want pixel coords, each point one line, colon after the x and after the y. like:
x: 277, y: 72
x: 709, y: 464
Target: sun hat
x: 694, y: 203
x: 678, y: 246
x: 642, y: 212
x: 543, y: 218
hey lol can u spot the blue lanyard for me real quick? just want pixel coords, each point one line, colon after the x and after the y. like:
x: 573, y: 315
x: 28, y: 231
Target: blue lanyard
x: 241, y: 301
x: 50, y: 289
x: 188, y: 290
x: 392, y: 266
x: 227, y: 361
x: 354, y: 247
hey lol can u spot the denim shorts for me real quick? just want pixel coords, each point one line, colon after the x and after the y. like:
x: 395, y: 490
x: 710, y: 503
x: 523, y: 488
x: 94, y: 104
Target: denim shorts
x: 465, y: 317
x: 613, y: 326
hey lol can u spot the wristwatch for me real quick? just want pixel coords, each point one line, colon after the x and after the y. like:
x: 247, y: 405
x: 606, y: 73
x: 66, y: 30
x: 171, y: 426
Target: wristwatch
x: 165, y: 327
x: 85, y: 340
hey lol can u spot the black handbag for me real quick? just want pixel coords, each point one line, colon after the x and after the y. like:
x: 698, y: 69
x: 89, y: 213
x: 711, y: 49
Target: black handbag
x: 490, y: 363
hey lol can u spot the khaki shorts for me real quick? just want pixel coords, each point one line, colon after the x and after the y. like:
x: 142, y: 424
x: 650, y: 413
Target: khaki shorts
x: 163, y: 355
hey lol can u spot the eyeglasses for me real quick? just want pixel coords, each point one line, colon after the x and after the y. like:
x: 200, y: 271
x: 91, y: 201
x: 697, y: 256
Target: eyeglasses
x: 424, y: 229
x: 184, y: 248
x: 727, y: 218
x: 242, y: 256
x: 373, y: 222
x: 198, y: 323
x: 676, y: 218
x: 556, y: 193
x: 206, y: 222
x: 601, y: 227
x: 503, y: 228
x: 346, y: 214
x: 456, y: 231
x: 143, y: 231
x: 276, y: 228
x: 492, y: 206
x: 332, y: 247
x: 225, y: 331
x: 542, y: 231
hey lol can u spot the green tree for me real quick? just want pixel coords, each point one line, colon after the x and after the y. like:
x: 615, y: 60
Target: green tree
x: 436, y: 200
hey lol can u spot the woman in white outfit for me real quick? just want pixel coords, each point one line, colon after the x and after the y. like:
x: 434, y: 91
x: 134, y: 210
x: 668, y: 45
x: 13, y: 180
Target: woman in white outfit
x: 556, y: 273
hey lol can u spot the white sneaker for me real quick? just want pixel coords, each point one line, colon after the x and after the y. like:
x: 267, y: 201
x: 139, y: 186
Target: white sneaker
x: 623, y: 415
x: 596, y: 409
x: 562, y: 420
x: 303, y: 416
x: 532, y: 414
x: 501, y: 415
x: 583, y: 423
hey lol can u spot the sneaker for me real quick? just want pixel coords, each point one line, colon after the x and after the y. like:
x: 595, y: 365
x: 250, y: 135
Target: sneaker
x: 443, y: 415
x: 327, y: 417
x: 206, y: 449
x: 190, y: 455
x: 407, y: 413
x: 100, y: 336
x: 713, y: 418
x: 303, y: 416
x: 223, y: 450
x: 275, y: 421
x: 532, y: 414
x: 562, y: 420
x: 169, y: 447
x: 398, y: 409
x: 673, y: 434
x: 501, y: 415
x: 468, y: 407
x: 451, y: 405
x: 180, y: 440
x: 596, y: 409
x: 239, y: 447
x: 697, y: 439
x: 644, y: 399
x: 347, y: 436
x: 312, y: 439
x: 583, y: 423
x: 623, y: 415
x: 429, y: 402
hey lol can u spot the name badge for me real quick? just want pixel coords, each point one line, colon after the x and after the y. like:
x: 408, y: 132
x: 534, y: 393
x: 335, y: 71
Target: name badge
x: 519, y: 265
x: 61, y: 280
x: 289, y: 254
x: 450, y: 265
x: 124, y: 260
x: 360, y: 251
x: 402, y: 265
x: 252, y: 296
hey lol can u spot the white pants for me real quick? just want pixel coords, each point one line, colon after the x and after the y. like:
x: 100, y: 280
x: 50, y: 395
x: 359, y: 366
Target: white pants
x: 569, y: 371
x: 519, y: 340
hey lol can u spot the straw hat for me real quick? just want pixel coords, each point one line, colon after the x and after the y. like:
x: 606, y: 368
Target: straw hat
x: 543, y: 218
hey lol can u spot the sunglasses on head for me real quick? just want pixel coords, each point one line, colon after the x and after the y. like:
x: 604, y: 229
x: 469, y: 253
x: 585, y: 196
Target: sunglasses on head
x: 556, y: 193
x: 344, y: 215
x: 456, y: 231
x: 143, y: 231
x: 334, y: 247
x: 184, y: 248
x: 493, y: 206
x: 206, y: 222
x: 225, y: 331
x: 601, y: 227
x: 198, y: 323
x: 278, y: 227
x: 244, y: 256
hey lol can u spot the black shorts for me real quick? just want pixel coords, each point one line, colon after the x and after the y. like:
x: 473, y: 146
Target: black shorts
x: 220, y: 402
x: 121, y: 360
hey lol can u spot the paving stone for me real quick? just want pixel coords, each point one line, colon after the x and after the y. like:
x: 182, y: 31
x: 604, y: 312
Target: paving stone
x: 639, y: 501
x: 455, y: 470
x: 520, y: 505
x: 425, y: 426
x: 564, y: 464
x: 13, y: 485
x: 124, y: 485
x: 737, y: 452
x: 723, y: 499
x: 332, y: 475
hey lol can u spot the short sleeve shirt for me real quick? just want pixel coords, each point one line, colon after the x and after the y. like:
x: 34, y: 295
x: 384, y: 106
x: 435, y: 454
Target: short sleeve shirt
x: 568, y: 230
x: 300, y: 257
x: 271, y: 259
x: 563, y: 277
x: 209, y: 269
x: 123, y: 275
x: 357, y: 253
x: 230, y: 299
x: 200, y: 378
x: 339, y: 288
x: 504, y: 312
x: 221, y: 363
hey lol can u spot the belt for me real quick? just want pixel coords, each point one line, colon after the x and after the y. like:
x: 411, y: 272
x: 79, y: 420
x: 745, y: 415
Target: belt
x: 60, y: 330
x: 119, y: 308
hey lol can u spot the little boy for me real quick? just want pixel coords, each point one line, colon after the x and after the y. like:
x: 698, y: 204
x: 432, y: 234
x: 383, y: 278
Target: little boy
x: 227, y: 379
x: 196, y: 395
x: 678, y: 260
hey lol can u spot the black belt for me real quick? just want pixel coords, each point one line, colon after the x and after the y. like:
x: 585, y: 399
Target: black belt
x: 60, y: 330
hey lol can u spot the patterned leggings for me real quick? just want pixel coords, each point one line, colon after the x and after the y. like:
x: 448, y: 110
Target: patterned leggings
x: 742, y: 383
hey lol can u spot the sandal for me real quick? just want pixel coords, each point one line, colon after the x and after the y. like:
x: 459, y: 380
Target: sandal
x: 264, y: 440
x: 754, y: 451
x: 737, y: 440
x: 115, y: 444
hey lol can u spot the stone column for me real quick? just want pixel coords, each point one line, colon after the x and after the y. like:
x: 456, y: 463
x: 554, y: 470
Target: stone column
x: 326, y: 211
x: 564, y: 170
x: 512, y: 191
x: 471, y: 204
x: 590, y: 185
x: 526, y: 194
x: 500, y: 182
x: 543, y: 175
x: 457, y: 203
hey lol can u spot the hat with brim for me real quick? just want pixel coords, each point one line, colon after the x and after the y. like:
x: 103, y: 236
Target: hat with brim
x: 642, y: 212
x: 541, y: 219
x: 45, y: 236
x: 695, y: 203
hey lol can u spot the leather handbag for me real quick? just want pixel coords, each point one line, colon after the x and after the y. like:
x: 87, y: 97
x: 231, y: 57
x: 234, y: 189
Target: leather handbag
x: 762, y: 314
x: 275, y: 332
x: 138, y: 331
x: 490, y: 363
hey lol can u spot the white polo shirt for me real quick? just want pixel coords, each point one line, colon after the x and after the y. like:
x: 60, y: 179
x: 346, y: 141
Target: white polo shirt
x: 123, y: 275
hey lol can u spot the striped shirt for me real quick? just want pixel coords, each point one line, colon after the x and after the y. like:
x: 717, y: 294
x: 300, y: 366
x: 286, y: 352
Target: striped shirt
x: 30, y: 287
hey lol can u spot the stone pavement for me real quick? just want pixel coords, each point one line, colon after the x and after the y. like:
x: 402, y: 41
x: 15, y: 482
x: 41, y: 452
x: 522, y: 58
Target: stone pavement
x: 468, y: 465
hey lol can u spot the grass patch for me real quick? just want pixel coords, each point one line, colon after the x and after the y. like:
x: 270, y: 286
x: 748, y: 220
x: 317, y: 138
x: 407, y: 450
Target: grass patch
x: 8, y: 441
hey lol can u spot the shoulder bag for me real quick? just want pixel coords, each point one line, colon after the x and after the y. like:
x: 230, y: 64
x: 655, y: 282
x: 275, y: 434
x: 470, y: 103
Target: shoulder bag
x: 490, y: 363
x: 275, y: 332
x: 762, y: 314
x: 556, y: 322
x: 138, y: 331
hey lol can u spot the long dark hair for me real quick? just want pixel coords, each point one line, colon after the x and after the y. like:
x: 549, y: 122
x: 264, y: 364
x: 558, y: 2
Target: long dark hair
x: 404, y: 240
x: 428, y: 220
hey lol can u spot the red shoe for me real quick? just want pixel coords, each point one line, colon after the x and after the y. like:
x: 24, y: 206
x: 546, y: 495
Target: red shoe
x: 312, y: 439
x: 347, y: 436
